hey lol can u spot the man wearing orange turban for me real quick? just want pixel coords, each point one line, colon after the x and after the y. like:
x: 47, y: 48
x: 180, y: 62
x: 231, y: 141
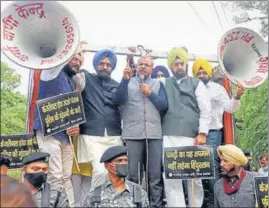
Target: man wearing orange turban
x: 236, y: 187
x: 220, y: 102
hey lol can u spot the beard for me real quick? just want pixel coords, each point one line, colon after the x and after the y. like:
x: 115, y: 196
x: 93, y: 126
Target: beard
x: 225, y: 173
x: 103, y: 75
x: 70, y: 71
x: 179, y: 74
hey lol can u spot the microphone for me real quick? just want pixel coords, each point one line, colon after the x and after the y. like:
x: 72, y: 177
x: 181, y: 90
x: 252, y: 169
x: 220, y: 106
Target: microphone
x: 142, y: 78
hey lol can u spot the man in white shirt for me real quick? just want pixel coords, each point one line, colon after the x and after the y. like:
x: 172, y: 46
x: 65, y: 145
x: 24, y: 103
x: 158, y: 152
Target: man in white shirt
x: 185, y: 123
x: 220, y: 102
x: 264, y: 165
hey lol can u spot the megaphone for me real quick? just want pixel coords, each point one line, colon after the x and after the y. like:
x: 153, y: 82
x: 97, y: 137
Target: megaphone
x: 242, y: 57
x: 38, y: 34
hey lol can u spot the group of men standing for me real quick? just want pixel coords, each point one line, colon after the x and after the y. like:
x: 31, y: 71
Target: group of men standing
x: 142, y: 113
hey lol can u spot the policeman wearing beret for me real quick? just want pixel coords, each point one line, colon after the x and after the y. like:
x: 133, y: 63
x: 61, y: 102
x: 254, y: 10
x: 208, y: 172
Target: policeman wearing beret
x: 4, y: 164
x: 34, y: 174
x: 116, y: 191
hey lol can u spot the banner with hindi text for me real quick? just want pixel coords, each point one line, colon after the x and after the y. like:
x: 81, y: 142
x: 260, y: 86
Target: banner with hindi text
x: 189, y: 162
x: 17, y: 147
x: 61, y: 112
x: 261, y: 191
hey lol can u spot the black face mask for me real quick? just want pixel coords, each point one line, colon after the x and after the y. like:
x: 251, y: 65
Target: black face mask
x: 121, y: 170
x: 204, y: 80
x: 179, y: 74
x: 36, y: 179
x: 103, y: 74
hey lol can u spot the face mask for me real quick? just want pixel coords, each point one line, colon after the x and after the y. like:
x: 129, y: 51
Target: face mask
x: 179, y: 74
x: 103, y: 74
x: 204, y: 80
x: 36, y: 179
x: 121, y: 170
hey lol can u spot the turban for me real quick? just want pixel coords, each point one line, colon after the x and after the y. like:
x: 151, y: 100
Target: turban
x: 202, y: 63
x: 162, y: 69
x: 100, y: 55
x: 177, y: 52
x: 233, y: 154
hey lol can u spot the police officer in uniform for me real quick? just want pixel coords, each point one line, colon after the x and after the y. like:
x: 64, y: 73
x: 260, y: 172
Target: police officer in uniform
x: 34, y: 173
x: 116, y: 191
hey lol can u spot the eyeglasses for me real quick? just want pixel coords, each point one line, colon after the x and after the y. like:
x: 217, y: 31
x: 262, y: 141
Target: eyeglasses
x: 102, y: 64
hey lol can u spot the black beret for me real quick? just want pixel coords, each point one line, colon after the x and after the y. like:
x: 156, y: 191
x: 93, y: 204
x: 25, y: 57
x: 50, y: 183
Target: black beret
x: 5, y: 160
x: 36, y: 157
x: 247, y: 153
x: 113, y: 152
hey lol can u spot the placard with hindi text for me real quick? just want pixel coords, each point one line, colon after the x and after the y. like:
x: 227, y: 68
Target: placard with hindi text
x: 61, y: 112
x: 261, y: 191
x: 17, y: 147
x: 189, y: 162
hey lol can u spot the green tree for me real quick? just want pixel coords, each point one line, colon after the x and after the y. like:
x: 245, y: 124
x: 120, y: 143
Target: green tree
x: 252, y: 129
x: 247, y: 11
x: 13, y: 103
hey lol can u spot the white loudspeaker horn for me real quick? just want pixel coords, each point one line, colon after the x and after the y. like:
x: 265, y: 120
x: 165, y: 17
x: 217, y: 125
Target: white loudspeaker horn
x: 243, y: 58
x: 38, y: 34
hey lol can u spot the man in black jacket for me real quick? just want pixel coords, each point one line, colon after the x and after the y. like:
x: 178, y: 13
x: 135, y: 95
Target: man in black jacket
x: 103, y: 126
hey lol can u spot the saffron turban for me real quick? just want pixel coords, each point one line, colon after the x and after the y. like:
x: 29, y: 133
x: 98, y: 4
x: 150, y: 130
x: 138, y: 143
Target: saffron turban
x: 177, y: 53
x: 162, y: 69
x: 100, y: 55
x: 233, y: 154
x: 201, y: 63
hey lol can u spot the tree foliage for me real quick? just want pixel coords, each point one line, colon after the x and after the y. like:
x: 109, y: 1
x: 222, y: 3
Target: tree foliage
x: 251, y: 10
x: 252, y: 118
x: 253, y: 114
x: 13, y: 104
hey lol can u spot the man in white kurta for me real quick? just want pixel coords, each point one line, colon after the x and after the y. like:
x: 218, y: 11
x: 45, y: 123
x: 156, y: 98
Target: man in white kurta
x: 220, y: 102
x: 185, y: 123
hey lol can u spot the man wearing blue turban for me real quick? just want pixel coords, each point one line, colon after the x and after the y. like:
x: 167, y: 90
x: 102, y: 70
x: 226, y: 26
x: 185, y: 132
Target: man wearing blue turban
x: 103, y: 120
x: 160, y: 71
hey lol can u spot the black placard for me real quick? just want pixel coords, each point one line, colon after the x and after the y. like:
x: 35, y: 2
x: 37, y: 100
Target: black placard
x: 61, y: 112
x: 261, y: 191
x: 189, y: 162
x: 18, y: 146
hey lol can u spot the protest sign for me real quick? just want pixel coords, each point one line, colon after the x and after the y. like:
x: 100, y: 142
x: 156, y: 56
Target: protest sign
x: 18, y: 146
x: 61, y: 112
x: 261, y: 191
x: 189, y: 162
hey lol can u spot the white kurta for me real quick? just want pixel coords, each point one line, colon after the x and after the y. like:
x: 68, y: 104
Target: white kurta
x: 91, y: 149
x: 174, y: 188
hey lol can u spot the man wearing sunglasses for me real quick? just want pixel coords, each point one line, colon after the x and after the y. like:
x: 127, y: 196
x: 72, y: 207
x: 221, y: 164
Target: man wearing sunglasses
x: 185, y: 123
